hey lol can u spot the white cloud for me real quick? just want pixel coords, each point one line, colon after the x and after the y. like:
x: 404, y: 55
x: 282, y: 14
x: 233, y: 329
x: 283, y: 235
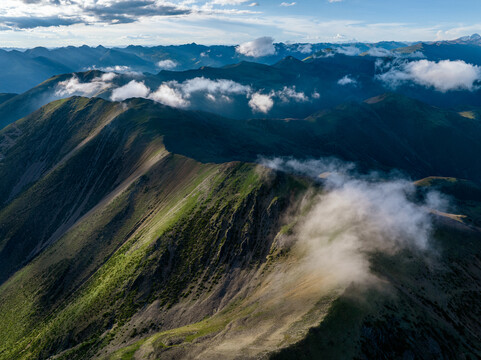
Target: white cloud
x: 443, y: 76
x: 130, y: 90
x: 347, y: 80
x: 177, y: 94
x: 354, y: 217
x: 169, y: 96
x: 73, y: 86
x: 108, y: 76
x: 261, y: 103
x: 211, y: 97
x: 213, y: 86
x: 260, y: 47
x: 290, y: 93
x: 286, y: 4
x: 228, y: 2
x: 167, y: 64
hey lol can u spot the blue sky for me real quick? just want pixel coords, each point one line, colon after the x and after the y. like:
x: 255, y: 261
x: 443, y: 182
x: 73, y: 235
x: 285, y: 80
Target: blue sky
x: 28, y: 23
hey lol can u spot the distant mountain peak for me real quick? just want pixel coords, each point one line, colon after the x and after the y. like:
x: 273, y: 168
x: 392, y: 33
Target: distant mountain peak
x: 469, y: 39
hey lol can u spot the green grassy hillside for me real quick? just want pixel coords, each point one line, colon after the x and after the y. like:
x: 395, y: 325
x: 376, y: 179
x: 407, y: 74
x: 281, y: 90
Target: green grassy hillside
x: 133, y: 231
x: 113, y: 223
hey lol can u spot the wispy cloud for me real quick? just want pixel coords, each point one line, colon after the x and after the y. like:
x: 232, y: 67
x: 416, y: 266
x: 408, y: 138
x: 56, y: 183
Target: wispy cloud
x: 347, y: 80
x: 355, y: 217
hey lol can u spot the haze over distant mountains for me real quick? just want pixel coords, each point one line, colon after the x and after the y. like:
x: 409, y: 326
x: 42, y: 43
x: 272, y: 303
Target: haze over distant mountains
x: 277, y: 81
x: 21, y: 70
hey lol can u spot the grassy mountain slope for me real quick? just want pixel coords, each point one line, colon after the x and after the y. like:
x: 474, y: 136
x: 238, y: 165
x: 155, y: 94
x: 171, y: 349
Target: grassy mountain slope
x: 135, y: 226
x: 127, y: 231
x: 386, y: 132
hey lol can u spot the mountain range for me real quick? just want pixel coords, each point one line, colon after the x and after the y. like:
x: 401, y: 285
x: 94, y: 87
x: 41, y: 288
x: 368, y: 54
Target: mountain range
x: 290, y: 208
x: 23, y: 69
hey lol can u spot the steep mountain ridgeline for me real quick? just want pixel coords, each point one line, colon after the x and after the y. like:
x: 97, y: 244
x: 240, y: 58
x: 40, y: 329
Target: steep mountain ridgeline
x: 113, y: 225
x: 130, y: 230
x: 388, y: 132
x: 182, y: 239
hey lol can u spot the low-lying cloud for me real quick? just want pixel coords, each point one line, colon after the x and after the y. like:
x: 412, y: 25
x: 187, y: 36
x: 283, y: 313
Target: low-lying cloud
x: 120, y: 69
x: 354, y: 218
x: 183, y: 94
x: 74, y: 86
x: 445, y: 75
x: 167, y: 64
x: 131, y: 90
x: 261, y: 103
x: 180, y: 94
x: 169, y: 96
x: 347, y: 80
x: 260, y: 47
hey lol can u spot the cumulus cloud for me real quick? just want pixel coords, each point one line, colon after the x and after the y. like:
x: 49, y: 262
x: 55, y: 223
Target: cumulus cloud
x: 354, y: 218
x: 445, y: 75
x: 347, y: 80
x: 130, y: 90
x: 289, y: 93
x: 108, y: 76
x: 184, y: 94
x: 213, y: 86
x: 261, y: 103
x: 260, y: 47
x: 173, y: 93
x: 286, y: 4
x: 73, y: 86
x: 169, y: 96
x: 167, y: 64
